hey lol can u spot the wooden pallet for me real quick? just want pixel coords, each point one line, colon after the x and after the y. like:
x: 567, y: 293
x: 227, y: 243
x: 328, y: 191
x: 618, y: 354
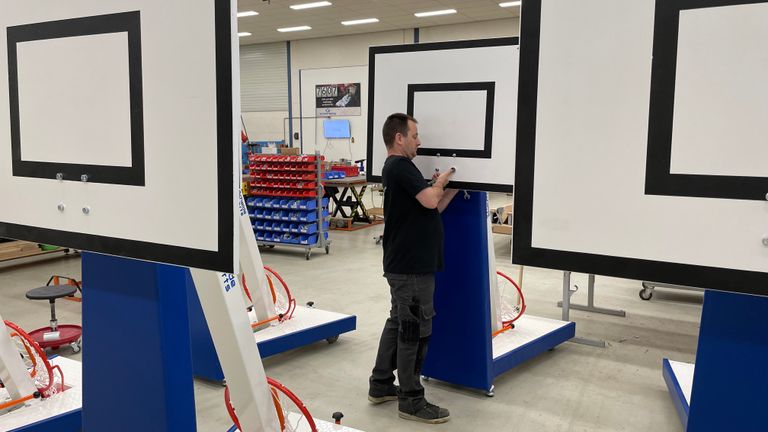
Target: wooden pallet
x: 20, y: 249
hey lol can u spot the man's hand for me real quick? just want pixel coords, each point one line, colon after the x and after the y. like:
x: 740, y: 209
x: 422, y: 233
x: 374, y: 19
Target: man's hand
x: 430, y: 197
x: 442, y: 179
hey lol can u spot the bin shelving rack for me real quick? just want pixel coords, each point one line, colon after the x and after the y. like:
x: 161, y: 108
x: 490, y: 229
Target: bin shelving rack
x: 286, y: 203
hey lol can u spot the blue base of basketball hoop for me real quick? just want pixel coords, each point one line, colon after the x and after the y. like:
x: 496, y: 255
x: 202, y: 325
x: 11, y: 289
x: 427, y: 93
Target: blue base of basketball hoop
x: 461, y: 349
x: 730, y: 384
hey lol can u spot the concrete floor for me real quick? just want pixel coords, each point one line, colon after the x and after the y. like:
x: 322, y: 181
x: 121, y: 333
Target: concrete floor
x: 573, y: 388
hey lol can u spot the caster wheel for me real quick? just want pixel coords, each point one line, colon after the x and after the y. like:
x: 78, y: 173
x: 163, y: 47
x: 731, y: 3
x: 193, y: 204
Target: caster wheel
x: 332, y: 339
x: 270, y: 246
x: 75, y: 347
x: 425, y: 378
x: 309, y: 253
x: 327, y: 250
x: 490, y: 392
x: 646, y: 294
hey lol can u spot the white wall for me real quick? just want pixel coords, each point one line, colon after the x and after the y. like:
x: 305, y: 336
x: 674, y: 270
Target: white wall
x: 312, y: 127
x: 335, y: 52
x: 266, y: 126
x: 474, y: 30
x: 344, y: 52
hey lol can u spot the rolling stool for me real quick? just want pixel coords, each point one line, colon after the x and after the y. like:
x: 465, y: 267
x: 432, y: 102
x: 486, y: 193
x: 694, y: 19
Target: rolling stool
x: 56, y: 335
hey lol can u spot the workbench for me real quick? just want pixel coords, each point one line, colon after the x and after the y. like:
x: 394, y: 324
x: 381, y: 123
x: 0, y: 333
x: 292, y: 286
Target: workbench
x: 347, y: 195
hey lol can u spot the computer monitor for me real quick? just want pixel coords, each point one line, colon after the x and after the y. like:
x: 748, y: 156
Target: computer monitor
x: 336, y: 129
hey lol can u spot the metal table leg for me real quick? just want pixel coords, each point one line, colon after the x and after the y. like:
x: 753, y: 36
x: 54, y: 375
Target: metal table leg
x: 566, y: 305
x: 590, y: 306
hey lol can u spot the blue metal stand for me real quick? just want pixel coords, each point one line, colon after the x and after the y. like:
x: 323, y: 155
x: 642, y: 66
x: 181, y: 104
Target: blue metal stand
x: 461, y: 348
x: 730, y: 384
x: 67, y: 422
x: 137, y: 369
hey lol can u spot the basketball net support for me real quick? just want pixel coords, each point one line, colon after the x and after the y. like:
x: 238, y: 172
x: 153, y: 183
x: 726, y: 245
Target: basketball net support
x: 225, y: 311
x: 253, y: 267
x: 224, y: 306
x: 13, y: 372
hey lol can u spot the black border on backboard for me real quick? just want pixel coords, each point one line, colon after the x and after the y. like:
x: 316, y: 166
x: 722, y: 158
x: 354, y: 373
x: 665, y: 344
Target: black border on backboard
x: 658, y: 179
x: 389, y: 49
x: 220, y: 260
x: 489, y: 87
x: 741, y: 281
x: 125, y: 22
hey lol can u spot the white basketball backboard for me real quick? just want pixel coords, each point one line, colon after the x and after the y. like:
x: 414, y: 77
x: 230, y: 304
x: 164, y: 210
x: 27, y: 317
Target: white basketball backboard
x: 464, y: 96
x: 118, y: 128
x: 641, y: 140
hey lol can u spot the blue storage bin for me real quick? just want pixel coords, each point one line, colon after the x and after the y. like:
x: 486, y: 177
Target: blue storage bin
x: 307, y: 204
x: 294, y: 204
x: 308, y: 217
x: 308, y: 228
x: 308, y: 239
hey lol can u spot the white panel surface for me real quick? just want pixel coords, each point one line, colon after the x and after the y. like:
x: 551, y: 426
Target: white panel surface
x: 591, y: 145
x: 453, y: 120
x: 74, y: 100
x: 303, y: 318
x: 41, y: 409
x: 527, y: 329
x: 684, y: 375
x: 498, y: 64
x: 78, y: 116
x: 721, y: 93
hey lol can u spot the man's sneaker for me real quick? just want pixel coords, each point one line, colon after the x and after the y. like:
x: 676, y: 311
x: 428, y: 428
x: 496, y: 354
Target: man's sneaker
x: 377, y: 397
x: 429, y: 413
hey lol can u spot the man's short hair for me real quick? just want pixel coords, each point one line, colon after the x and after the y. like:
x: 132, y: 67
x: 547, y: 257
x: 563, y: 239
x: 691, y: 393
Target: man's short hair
x: 395, y: 123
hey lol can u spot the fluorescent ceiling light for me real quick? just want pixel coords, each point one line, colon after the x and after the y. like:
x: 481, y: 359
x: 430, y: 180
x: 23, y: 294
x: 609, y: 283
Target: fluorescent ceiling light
x: 291, y: 29
x: 242, y: 34
x: 311, y: 5
x: 510, y: 4
x: 247, y: 14
x: 435, y: 13
x: 361, y: 21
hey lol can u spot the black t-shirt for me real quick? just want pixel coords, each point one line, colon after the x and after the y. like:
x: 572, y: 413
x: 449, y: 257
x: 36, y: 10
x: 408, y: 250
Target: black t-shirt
x: 413, y: 234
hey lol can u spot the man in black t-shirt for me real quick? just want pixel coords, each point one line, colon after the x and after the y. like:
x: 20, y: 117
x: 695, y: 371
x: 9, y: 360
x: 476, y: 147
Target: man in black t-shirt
x: 413, y: 253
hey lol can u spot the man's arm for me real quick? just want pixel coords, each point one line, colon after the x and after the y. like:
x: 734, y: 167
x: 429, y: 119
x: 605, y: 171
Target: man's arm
x: 430, y: 196
x: 448, y: 195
